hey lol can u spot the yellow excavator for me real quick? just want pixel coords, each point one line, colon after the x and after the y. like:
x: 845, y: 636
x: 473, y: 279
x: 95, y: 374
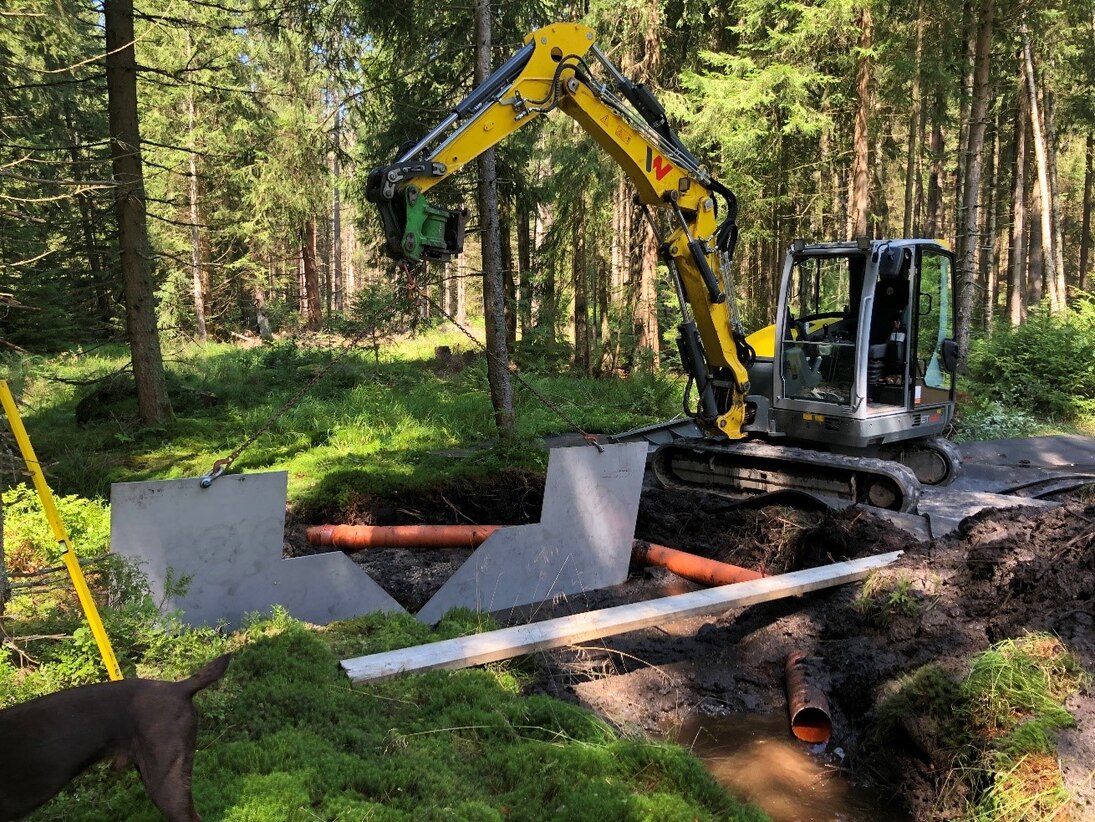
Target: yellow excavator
x: 844, y: 397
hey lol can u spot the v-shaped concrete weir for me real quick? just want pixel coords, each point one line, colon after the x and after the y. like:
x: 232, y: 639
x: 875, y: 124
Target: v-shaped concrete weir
x: 227, y: 542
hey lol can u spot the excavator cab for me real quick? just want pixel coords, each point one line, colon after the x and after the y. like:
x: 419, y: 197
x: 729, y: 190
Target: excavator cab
x: 864, y: 357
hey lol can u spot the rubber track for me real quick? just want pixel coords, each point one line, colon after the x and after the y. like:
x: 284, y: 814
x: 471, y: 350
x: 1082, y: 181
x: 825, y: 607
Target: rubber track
x: 777, y: 468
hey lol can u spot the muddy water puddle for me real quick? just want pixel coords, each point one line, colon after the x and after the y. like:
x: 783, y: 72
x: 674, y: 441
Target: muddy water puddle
x: 755, y: 757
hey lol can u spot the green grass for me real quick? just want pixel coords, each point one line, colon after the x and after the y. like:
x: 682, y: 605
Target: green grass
x: 366, y: 426
x: 991, y: 733
x: 285, y: 737
x: 882, y: 596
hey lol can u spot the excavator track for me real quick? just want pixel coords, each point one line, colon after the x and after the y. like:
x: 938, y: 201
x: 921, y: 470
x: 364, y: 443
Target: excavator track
x: 747, y: 469
x: 935, y: 461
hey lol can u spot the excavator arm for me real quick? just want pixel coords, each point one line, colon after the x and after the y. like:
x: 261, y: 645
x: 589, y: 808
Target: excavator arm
x: 555, y: 70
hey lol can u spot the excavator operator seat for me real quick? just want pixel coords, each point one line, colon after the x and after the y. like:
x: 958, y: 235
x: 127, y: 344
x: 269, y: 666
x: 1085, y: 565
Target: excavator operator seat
x: 887, y: 351
x: 891, y: 294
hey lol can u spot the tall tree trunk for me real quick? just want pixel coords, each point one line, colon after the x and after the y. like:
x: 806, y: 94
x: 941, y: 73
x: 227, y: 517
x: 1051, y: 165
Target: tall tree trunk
x: 350, y: 278
x: 1037, y: 285
x: 965, y: 99
x: 580, y: 286
x: 988, y: 231
x: 1017, y: 248
x: 620, y: 237
x: 623, y: 285
x: 912, y: 147
x: 313, y: 310
x: 195, y: 216
x: 971, y: 187
x: 604, y: 343
x: 1041, y: 153
x: 546, y: 310
x: 524, y: 266
x: 646, y: 309
x: 860, y: 200
x: 153, y: 403
x: 339, y: 281
x: 494, y: 305
x: 1085, y: 221
x: 1055, y: 197
x: 934, y: 226
x: 885, y: 147
x: 509, y: 281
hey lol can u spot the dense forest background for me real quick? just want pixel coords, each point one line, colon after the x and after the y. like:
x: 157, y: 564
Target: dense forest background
x: 258, y: 119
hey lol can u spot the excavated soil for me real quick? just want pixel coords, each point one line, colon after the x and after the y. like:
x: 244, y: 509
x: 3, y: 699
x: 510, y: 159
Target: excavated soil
x: 1003, y: 573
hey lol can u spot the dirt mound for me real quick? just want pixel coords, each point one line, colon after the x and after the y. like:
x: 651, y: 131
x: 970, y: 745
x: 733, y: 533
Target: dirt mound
x: 774, y: 539
x: 1030, y: 571
x: 1001, y: 575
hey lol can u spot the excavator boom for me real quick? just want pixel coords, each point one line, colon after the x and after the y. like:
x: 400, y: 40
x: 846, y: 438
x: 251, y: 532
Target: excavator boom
x: 556, y: 69
x: 855, y: 372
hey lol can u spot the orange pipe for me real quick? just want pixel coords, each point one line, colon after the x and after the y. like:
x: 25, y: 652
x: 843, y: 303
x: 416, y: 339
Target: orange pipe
x: 358, y: 537
x: 807, y: 705
x: 698, y: 569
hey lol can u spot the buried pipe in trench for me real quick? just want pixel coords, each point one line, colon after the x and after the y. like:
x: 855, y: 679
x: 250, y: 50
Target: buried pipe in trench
x: 697, y: 569
x: 357, y: 537
x: 806, y: 704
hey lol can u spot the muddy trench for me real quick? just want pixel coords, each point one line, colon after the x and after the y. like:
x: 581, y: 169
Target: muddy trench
x: 1004, y: 573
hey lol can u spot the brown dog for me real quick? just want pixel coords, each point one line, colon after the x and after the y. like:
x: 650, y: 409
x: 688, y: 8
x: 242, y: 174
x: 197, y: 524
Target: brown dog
x: 45, y: 742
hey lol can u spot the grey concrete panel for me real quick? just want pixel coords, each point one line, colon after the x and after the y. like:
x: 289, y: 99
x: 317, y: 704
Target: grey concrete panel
x: 582, y: 542
x: 228, y: 539
x: 1061, y: 450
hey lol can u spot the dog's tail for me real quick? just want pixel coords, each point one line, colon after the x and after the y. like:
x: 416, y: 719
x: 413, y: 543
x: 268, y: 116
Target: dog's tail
x: 206, y: 676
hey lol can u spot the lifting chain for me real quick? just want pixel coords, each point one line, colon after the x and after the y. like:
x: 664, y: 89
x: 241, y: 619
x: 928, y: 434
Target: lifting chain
x: 590, y: 439
x: 222, y: 465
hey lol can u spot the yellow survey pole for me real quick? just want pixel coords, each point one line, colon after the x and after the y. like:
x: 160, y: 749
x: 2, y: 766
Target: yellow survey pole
x: 59, y: 533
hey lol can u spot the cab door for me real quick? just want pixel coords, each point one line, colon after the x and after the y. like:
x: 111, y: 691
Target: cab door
x: 934, y: 327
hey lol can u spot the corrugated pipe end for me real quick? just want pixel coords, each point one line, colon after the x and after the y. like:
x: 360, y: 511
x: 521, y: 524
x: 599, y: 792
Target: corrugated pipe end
x: 806, y: 704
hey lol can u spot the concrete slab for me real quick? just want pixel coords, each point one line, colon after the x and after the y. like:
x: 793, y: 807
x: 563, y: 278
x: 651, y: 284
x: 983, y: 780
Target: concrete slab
x: 1057, y: 451
x: 228, y: 540
x: 582, y: 542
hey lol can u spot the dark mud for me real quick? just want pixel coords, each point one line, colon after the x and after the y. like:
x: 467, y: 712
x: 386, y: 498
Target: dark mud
x: 1002, y: 574
x: 412, y: 577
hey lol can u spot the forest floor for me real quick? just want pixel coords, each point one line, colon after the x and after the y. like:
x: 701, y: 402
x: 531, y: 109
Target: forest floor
x: 1001, y: 575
